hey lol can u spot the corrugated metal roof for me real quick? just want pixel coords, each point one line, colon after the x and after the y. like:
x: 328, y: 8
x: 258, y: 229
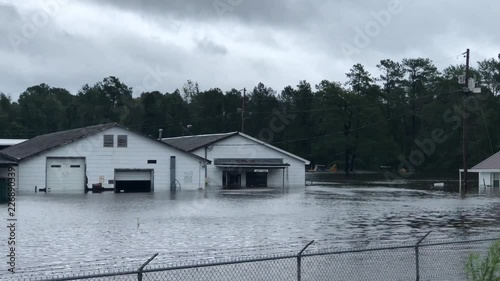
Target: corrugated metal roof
x: 493, y: 162
x: 46, y: 142
x: 191, y: 143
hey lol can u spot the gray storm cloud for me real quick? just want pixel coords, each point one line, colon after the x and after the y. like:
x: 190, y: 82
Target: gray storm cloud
x: 274, y: 42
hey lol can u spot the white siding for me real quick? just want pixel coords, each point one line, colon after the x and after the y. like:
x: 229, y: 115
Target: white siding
x: 241, y: 147
x: 101, y: 162
x: 485, y: 177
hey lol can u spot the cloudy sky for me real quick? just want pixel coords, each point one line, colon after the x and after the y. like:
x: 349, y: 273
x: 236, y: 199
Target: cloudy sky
x: 160, y: 44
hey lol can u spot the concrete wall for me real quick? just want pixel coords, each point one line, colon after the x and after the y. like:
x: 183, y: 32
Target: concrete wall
x: 241, y: 147
x: 102, y: 161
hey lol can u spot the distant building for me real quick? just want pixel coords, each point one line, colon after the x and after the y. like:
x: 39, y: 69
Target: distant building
x: 106, y: 154
x: 489, y: 174
x: 239, y: 160
x: 4, y: 143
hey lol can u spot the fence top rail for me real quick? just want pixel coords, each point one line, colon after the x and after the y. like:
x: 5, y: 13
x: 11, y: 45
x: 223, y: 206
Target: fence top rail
x: 331, y: 252
x: 90, y: 276
x: 459, y: 242
x: 149, y: 270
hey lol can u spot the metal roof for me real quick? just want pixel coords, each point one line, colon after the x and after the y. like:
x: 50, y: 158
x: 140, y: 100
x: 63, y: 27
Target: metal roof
x: 46, y: 142
x: 191, y: 143
x: 42, y: 143
x: 493, y: 162
x: 6, y: 161
x: 9, y: 142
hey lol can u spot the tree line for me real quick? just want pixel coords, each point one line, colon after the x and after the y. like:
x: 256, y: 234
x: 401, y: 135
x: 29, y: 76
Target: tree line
x: 368, y: 122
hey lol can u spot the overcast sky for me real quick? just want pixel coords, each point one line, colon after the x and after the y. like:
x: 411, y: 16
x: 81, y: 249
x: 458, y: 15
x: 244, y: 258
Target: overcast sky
x: 159, y: 44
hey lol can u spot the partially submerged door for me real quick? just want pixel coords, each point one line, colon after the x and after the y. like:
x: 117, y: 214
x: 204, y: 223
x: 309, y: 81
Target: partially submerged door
x: 65, y: 174
x: 133, y: 181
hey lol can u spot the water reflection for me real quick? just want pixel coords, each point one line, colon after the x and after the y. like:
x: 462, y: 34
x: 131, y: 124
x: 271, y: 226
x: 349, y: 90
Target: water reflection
x: 189, y: 225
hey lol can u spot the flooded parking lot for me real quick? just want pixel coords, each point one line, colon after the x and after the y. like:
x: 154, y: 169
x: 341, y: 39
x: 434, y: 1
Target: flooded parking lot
x: 123, y: 230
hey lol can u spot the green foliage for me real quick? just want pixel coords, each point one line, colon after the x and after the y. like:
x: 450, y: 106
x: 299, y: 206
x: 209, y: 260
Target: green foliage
x: 368, y: 122
x: 487, y: 268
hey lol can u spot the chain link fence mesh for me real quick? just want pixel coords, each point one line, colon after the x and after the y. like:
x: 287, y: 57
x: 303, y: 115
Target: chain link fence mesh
x: 448, y: 261
x: 427, y: 261
x: 384, y: 264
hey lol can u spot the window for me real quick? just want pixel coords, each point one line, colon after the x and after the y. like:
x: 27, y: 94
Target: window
x: 122, y: 140
x: 151, y: 161
x: 108, y: 141
x: 55, y: 166
x: 75, y: 166
x: 111, y: 181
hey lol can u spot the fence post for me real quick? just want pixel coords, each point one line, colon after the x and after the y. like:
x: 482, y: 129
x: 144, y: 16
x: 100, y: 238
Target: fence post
x: 299, y: 260
x: 417, y: 260
x: 139, y: 274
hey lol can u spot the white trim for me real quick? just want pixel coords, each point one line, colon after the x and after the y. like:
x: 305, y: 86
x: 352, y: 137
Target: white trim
x: 255, y: 167
x: 481, y: 170
x: 11, y: 141
x: 205, y: 135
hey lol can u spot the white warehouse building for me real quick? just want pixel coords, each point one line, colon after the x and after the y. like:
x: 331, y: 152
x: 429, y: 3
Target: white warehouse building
x: 118, y: 159
x: 238, y: 160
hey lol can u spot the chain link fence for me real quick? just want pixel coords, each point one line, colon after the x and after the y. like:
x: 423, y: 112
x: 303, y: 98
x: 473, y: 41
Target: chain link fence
x: 443, y: 260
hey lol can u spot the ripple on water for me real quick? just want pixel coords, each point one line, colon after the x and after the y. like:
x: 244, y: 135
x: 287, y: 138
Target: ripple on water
x: 124, y: 229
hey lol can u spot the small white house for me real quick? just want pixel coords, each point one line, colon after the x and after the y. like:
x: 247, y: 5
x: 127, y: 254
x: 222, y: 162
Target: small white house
x: 489, y: 174
x: 107, y: 154
x: 239, y: 160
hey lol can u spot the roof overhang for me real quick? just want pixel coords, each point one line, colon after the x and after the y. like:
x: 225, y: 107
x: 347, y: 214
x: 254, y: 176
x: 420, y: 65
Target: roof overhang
x: 481, y: 170
x: 268, y: 163
x: 254, y: 166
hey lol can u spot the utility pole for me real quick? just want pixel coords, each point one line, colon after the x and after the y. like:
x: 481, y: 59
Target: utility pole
x: 465, y: 116
x: 243, y: 111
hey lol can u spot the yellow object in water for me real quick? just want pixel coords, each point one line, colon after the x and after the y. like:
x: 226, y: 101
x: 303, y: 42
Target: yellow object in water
x: 333, y: 168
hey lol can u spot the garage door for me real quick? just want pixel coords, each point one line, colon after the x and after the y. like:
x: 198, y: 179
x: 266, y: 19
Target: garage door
x: 256, y: 179
x: 66, y: 174
x: 133, y: 180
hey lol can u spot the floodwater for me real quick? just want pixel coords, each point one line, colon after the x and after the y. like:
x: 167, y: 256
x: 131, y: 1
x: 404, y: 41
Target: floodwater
x: 62, y: 233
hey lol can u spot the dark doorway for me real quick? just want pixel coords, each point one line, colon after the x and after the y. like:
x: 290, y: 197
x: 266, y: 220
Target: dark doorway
x: 132, y: 186
x: 256, y: 179
x: 231, y: 180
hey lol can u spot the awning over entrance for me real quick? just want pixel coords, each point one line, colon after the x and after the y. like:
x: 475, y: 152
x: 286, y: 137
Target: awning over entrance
x: 268, y: 163
x: 249, y: 172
